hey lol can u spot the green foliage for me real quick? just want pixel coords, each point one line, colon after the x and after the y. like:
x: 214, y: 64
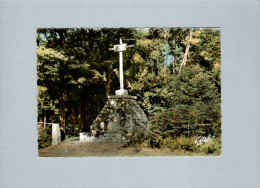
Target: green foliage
x: 179, y: 103
x: 213, y: 146
x: 75, y: 65
x: 45, y: 139
x: 185, y: 144
x: 217, y: 128
x: 72, y: 130
x: 136, y: 140
x: 175, y: 73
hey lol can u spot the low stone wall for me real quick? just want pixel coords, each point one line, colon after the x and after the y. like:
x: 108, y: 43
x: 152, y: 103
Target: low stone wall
x: 86, y: 136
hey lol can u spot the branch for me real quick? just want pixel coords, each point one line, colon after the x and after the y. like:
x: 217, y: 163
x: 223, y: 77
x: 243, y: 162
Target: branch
x: 184, y: 60
x: 173, y: 65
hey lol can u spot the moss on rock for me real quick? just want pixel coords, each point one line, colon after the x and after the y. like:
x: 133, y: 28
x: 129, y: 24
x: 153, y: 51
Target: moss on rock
x: 121, y: 120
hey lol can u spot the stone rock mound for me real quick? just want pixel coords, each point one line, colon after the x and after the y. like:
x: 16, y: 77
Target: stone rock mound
x: 121, y: 120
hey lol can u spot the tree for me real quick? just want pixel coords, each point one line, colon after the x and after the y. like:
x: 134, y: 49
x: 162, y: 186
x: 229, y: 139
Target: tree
x: 190, y: 93
x: 174, y: 72
x: 84, y: 75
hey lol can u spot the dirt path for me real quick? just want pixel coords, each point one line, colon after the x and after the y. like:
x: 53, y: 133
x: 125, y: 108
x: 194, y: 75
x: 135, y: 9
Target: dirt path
x: 88, y: 149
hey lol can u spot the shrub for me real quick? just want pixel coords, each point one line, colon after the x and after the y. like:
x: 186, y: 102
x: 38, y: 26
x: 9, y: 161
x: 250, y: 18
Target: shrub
x: 180, y: 143
x: 44, y: 140
x: 213, y: 146
x: 171, y: 143
x: 155, y: 137
x: 217, y: 128
x: 72, y: 130
x: 136, y: 140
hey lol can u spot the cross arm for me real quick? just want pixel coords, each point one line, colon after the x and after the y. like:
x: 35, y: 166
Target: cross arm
x: 129, y: 46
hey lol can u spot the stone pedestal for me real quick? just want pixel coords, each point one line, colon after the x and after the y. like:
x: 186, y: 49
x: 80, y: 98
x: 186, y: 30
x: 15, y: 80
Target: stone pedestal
x: 121, y: 92
x: 56, y: 136
x: 121, y: 120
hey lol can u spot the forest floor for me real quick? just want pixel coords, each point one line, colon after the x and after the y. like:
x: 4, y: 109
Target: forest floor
x: 93, y: 149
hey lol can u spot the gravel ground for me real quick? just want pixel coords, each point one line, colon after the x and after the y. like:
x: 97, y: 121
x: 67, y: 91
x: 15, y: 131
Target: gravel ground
x: 91, y: 149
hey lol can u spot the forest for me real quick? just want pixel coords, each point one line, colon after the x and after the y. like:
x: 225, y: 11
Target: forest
x: 174, y: 72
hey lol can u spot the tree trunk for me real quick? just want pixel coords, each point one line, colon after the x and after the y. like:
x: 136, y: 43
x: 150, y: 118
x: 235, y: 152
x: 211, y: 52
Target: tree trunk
x: 44, y: 122
x: 108, y: 82
x: 83, y: 127
x: 62, y: 113
x: 184, y: 60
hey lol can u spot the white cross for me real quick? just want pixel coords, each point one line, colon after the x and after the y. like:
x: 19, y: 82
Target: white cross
x: 120, y: 48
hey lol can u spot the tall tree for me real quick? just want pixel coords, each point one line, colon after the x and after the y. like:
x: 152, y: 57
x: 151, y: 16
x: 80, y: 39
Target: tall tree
x: 89, y: 67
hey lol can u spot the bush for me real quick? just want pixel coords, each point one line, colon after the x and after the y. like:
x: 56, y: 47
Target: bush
x: 180, y: 143
x: 217, y: 128
x: 184, y: 143
x: 44, y: 139
x: 136, y: 140
x: 154, y: 138
x: 72, y: 130
x: 213, y: 146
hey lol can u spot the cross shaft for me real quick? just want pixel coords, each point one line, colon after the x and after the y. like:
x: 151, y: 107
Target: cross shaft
x: 120, y: 48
